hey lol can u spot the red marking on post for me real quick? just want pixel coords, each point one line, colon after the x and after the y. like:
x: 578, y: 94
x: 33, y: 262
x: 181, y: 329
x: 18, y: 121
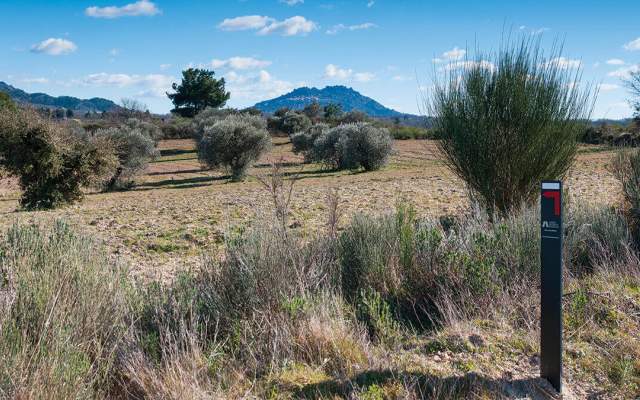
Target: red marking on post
x: 555, y: 195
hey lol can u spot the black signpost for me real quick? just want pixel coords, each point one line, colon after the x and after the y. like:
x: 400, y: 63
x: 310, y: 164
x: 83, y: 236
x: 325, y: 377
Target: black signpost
x: 551, y: 284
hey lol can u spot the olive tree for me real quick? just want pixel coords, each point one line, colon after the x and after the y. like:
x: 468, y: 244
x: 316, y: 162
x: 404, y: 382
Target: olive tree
x: 235, y: 143
x: 509, y: 121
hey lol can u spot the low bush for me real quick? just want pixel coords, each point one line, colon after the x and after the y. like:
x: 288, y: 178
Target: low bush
x: 354, y: 146
x: 410, y: 132
x: 51, y: 163
x: 147, y: 128
x: 303, y: 142
x: 293, y: 122
x: 234, y: 142
x: 178, y: 128
x: 134, y: 149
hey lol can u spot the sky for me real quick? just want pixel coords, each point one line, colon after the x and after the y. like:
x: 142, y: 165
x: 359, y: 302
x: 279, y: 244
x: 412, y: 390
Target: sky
x: 388, y: 50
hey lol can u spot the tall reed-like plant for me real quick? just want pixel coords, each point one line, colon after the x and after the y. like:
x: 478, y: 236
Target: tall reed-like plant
x: 510, y: 120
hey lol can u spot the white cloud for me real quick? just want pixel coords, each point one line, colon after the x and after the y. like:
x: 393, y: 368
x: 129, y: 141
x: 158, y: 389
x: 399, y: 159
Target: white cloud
x: 151, y: 85
x: 297, y: 25
x: 54, y: 47
x: 633, y: 45
x: 35, y: 80
x: 292, y: 2
x: 615, y: 61
x: 139, y: 8
x: 290, y: 27
x: 240, y: 63
x: 370, y: 3
x: 607, y: 87
x: 165, y: 67
x: 624, y: 72
x: 364, y: 76
x: 451, y: 55
x: 563, y: 63
x: 334, y: 72
x: 246, y: 22
x: 255, y: 87
x: 114, y: 52
x: 340, y: 27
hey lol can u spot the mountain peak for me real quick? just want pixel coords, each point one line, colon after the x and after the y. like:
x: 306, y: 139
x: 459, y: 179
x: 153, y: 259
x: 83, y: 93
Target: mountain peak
x: 347, y: 97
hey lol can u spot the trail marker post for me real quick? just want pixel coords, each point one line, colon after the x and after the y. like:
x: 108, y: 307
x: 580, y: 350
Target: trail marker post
x: 551, y: 283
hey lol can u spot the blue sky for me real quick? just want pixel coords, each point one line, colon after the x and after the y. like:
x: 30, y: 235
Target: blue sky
x: 388, y: 50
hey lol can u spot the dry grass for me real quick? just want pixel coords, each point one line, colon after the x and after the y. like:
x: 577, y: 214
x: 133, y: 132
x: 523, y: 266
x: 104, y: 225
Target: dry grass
x: 177, y: 210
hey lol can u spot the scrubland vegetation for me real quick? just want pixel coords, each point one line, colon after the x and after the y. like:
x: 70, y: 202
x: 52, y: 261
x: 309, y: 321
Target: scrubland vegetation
x: 385, y: 306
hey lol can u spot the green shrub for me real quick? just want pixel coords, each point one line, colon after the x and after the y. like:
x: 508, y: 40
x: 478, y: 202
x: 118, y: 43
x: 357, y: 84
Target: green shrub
x: 293, y: 122
x: 509, y: 124
x: 52, y: 164
x: 147, y: 128
x: 303, y: 141
x: 353, y: 117
x: 363, y: 145
x: 178, y: 128
x: 7, y: 102
x: 63, y: 314
x: 354, y: 146
x: 410, y: 132
x: 234, y: 142
x: 134, y: 149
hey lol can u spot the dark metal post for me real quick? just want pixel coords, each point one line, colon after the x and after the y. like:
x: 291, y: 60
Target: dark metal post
x: 551, y: 283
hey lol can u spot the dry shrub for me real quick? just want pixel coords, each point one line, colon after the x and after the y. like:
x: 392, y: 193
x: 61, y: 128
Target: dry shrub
x: 326, y: 336
x: 65, y: 321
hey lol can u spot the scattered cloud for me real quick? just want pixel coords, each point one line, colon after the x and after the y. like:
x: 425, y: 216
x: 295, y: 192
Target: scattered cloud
x: 139, y: 8
x: 255, y: 87
x: 608, y: 87
x: 264, y: 25
x: 364, y: 76
x: 247, y: 22
x: 451, y: 55
x: 292, y: 2
x: 615, y: 61
x: 341, y: 27
x: 54, y: 47
x: 35, y: 80
x: 114, y: 52
x: 334, y: 72
x: 165, y: 67
x: 240, y: 63
x: 563, y: 63
x: 633, y: 45
x: 624, y: 72
x: 151, y: 85
x: 370, y: 3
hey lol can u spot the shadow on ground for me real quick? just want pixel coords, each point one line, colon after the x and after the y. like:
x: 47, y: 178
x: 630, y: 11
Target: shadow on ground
x: 425, y: 386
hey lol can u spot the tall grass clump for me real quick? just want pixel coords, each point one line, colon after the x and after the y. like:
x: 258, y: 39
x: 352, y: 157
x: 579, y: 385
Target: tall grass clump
x: 235, y: 142
x: 63, y: 317
x: 509, y: 120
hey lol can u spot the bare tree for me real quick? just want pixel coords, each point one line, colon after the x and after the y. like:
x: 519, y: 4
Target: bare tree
x: 633, y: 84
x: 133, y: 107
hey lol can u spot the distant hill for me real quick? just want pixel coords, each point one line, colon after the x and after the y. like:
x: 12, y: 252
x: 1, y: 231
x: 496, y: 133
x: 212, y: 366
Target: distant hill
x: 95, y: 104
x: 347, y: 97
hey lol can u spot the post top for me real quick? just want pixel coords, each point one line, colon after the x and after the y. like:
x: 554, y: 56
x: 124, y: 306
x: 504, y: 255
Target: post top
x: 551, y: 185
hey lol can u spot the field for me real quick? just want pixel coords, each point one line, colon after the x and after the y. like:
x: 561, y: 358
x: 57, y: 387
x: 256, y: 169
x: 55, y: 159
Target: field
x: 177, y: 210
